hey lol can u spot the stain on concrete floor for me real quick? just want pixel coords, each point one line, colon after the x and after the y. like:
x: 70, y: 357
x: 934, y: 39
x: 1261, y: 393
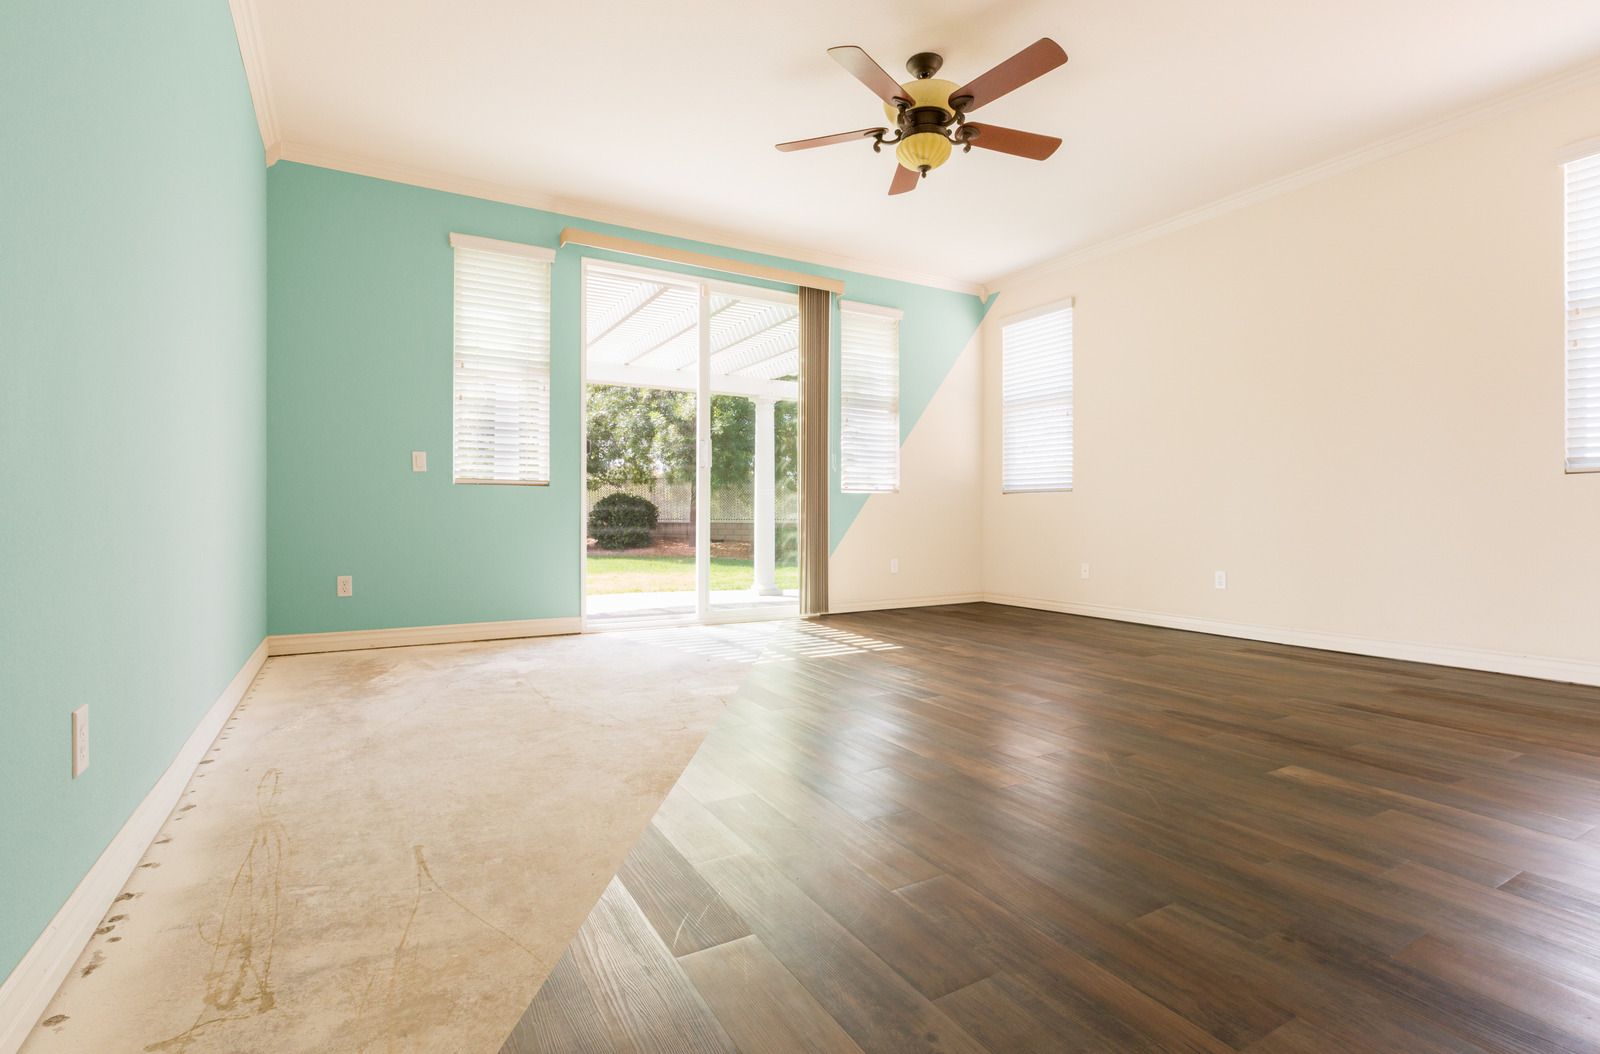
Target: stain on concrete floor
x: 386, y: 852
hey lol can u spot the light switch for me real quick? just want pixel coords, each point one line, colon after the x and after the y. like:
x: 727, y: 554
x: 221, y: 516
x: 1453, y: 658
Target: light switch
x: 80, y: 740
x: 419, y: 461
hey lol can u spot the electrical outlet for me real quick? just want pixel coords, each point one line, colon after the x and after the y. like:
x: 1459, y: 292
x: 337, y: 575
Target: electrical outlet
x: 345, y: 586
x: 1222, y: 580
x: 1083, y: 571
x: 894, y: 565
x: 80, y: 740
x: 419, y: 461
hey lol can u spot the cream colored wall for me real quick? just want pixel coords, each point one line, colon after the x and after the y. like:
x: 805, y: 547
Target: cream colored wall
x: 1349, y: 397
x: 932, y: 524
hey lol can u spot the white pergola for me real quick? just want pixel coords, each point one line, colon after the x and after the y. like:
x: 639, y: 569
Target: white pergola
x: 642, y: 328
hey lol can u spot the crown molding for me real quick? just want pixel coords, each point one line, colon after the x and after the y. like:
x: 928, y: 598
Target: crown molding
x: 248, y: 29
x: 1421, y: 135
x: 649, y: 223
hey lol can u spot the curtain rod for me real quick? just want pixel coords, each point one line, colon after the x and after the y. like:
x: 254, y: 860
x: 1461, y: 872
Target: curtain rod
x: 594, y: 240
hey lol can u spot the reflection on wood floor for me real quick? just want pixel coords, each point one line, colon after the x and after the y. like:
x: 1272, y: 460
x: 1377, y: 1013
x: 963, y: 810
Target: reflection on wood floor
x: 1021, y: 831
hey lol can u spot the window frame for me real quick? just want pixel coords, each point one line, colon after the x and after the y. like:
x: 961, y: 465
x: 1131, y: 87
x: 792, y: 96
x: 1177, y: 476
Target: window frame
x: 1068, y: 304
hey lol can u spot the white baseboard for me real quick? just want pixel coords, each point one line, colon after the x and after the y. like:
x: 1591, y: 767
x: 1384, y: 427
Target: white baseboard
x: 1547, y: 668
x: 409, y: 636
x: 890, y: 603
x: 28, y: 991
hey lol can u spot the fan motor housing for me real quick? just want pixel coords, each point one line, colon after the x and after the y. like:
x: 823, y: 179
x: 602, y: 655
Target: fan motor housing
x: 928, y: 93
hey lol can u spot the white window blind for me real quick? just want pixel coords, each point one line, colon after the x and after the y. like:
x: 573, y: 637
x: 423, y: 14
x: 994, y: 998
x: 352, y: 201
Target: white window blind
x: 502, y: 362
x: 1583, y: 314
x: 1036, y: 401
x: 869, y: 399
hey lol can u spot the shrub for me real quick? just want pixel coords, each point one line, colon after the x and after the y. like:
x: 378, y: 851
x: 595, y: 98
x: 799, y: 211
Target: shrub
x: 622, y: 521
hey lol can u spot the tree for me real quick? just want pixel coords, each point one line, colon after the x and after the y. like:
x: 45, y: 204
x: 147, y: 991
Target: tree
x: 733, y: 441
x: 787, y: 421
x: 639, y: 434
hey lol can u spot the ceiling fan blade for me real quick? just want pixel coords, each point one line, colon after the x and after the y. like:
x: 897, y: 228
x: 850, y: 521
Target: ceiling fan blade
x: 904, y: 180
x: 1032, y: 62
x: 829, y: 140
x: 1011, y: 141
x: 861, y: 66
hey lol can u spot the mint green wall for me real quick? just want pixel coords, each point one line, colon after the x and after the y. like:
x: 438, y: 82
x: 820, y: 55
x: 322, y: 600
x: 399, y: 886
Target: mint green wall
x: 359, y: 375
x: 132, y: 461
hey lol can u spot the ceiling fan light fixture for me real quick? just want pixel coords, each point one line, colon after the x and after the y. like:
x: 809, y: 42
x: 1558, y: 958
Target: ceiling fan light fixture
x: 928, y: 115
x: 923, y: 152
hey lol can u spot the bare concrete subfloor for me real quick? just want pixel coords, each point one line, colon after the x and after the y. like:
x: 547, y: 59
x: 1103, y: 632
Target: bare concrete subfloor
x: 387, y: 851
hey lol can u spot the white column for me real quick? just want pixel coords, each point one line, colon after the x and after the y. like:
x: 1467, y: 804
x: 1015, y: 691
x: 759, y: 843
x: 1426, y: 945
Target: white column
x: 766, y: 511
x: 702, y: 463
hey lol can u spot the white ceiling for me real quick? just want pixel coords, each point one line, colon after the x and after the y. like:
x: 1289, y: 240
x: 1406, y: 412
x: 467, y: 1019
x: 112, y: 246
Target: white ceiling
x: 668, y: 111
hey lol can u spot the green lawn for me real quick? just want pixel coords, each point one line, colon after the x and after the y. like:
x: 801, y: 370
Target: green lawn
x: 668, y: 574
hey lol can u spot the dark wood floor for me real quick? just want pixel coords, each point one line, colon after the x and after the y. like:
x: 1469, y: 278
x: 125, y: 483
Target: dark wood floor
x: 1020, y: 831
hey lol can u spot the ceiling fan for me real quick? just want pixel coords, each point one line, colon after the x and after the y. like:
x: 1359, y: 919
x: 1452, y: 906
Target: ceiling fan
x: 930, y: 115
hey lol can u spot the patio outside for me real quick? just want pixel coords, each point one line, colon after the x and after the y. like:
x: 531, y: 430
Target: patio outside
x: 642, y: 509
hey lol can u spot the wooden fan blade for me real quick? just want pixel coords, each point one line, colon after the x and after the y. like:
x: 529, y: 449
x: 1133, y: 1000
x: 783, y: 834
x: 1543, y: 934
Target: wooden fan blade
x: 1031, y: 62
x: 829, y: 140
x: 1011, y: 141
x: 904, y: 180
x: 860, y: 66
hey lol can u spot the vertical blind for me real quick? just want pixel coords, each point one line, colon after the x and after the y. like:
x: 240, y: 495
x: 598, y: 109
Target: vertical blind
x: 869, y: 399
x: 1583, y: 314
x: 1036, y: 401
x: 502, y: 362
x: 815, y: 307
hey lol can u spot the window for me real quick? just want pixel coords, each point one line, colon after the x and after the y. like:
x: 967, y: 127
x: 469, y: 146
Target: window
x: 1036, y: 401
x: 1583, y: 313
x: 869, y: 398
x: 502, y: 354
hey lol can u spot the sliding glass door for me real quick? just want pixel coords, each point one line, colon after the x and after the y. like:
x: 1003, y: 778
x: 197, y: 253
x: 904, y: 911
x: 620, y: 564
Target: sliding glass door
x: 754, y: 355
x: 691, y: 405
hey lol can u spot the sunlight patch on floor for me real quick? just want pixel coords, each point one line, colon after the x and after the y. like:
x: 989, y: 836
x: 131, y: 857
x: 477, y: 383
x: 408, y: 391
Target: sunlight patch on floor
x: 767, y: 641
